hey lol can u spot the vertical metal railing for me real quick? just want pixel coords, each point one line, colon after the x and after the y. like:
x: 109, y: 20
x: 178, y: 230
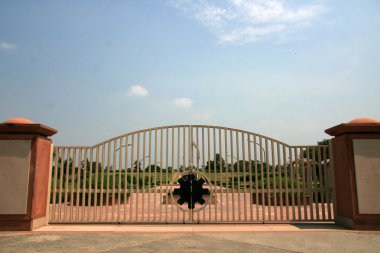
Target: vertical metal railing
x: 133, y: 178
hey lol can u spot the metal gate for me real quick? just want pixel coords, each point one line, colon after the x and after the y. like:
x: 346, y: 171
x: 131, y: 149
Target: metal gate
x: 191, y: 173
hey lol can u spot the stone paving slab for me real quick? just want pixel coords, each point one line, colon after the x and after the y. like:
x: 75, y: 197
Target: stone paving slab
x: 191, y: 238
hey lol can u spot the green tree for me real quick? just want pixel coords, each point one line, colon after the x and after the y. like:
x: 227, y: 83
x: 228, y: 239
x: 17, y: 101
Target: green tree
x: 153, y: 168
x: 136, y: 166
x: 322, y: 153
x: 261, y: 168
x: 66, y: 169
x: 90, y: 165
x: 219, y: 164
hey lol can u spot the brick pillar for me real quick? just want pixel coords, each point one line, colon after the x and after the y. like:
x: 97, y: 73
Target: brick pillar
x: 25, y: 161
x: 356, y: 156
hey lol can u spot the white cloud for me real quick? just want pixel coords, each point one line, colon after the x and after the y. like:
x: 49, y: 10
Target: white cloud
x: 183, y: 102
x: 243, y: 21
x: 250, y: 34
x: 138, y: 91
x: 6, y: 45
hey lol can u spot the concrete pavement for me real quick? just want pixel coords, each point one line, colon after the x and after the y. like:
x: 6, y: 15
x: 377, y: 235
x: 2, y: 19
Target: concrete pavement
x: 190, y: 238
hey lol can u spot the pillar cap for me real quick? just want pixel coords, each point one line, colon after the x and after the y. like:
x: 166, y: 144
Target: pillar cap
x: 359, y: 125
x: 364, y: 121
x: 25, y: 126
x: 18, y: 121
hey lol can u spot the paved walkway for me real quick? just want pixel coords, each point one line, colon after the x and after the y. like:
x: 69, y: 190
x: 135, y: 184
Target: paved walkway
x: 190, y: 238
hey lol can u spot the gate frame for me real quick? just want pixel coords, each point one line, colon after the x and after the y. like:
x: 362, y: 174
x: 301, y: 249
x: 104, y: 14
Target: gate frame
x: 295, y: 193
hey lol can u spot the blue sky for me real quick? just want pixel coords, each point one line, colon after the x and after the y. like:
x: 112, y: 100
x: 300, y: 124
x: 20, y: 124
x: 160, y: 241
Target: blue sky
x: 97, y: 69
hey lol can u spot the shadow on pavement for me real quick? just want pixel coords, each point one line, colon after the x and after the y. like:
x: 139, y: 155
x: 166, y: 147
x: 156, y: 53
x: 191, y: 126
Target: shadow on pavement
x: 319, y: 226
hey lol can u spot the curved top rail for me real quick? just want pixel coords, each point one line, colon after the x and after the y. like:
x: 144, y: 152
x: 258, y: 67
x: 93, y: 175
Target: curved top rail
x: 179, y: 126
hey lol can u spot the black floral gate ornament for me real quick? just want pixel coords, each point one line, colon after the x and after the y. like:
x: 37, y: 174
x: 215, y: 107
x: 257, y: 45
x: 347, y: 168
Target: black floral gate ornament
x: 191, y: 190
